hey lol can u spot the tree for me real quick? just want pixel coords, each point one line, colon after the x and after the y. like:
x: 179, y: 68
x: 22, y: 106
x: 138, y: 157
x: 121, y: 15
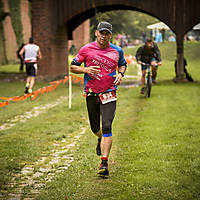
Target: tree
x: 131, y: 23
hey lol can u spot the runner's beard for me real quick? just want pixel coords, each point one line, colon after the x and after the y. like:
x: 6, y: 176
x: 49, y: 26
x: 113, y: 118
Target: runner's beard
x: 103, y: 42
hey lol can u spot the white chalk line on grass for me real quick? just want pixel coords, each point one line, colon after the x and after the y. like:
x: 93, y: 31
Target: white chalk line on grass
x: 37, y: 174
x: 33, y: 113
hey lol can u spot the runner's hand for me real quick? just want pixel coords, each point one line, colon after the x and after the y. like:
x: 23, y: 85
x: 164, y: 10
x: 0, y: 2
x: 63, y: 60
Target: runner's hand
x: 139, y: 62
x: 159, y: 63
x: 93, y: 70
x: 118, y: 79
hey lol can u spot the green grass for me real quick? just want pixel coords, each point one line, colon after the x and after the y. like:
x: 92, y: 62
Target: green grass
x: 9, y: 68
x: 155, y: 152
x: 168, y: 50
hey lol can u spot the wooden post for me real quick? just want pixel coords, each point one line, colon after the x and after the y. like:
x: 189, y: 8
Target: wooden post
x: 180, y: 57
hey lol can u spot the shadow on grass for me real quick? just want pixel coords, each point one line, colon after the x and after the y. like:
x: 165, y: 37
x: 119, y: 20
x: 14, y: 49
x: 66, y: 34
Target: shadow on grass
x: 12, y: 76
x: 171, y: 82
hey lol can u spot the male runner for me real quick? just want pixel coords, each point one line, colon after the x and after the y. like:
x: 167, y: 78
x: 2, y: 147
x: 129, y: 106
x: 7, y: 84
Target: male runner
x: 30, y: 53
x: 102, y: 61
x: 148, y: 53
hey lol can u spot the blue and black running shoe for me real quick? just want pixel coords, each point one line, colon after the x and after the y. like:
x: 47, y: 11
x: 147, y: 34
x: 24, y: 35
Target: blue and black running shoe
x: 103, y: 170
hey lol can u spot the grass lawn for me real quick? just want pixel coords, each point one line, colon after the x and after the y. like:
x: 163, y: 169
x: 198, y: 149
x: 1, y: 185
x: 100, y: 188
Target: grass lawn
x: 9, y: 68
x: 155, y: 153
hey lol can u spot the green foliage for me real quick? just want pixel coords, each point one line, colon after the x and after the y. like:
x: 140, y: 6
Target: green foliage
x: 15, y: 13
x: 9, y: 68
x: 125, y: 22
x: 73, y: 50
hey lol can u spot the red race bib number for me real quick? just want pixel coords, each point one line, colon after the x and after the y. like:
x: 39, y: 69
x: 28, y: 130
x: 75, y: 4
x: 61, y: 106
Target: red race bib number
x: 108, y: 97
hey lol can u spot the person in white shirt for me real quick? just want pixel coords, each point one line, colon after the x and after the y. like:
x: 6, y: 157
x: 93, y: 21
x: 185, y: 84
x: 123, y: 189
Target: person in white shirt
x: 30, y: 53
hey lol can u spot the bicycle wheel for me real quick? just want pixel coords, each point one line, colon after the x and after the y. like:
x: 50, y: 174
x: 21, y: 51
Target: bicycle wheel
x: 148, y: 86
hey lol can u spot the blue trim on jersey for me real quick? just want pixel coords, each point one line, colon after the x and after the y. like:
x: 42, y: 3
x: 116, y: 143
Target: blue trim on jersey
x: 77, y: 61
x: 122, y: 60
x: 112, y: 74
x: 86, y: 79
x: 107, y: 134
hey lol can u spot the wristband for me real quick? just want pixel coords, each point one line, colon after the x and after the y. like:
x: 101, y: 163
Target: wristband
x: 122, y: 73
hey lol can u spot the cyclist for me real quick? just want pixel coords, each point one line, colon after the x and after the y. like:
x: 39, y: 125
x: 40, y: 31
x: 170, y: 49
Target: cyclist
x: 148, y: 53
x: 102, y: 61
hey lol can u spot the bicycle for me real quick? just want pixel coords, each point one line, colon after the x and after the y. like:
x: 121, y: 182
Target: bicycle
x: 148, y: 80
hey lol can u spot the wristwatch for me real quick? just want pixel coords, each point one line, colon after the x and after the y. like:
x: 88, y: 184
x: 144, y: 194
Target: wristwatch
x: 122, y: 73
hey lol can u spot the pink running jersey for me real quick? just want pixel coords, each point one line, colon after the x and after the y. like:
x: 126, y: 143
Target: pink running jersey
x: 108, y: 59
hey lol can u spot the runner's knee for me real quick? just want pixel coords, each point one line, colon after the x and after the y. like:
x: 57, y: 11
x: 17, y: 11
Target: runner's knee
x: 143, y: 74
x: 95, y: 129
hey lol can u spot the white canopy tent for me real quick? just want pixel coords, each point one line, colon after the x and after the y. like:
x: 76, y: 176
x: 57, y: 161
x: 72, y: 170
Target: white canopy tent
x: 159, y: 25
x: 197, y: 27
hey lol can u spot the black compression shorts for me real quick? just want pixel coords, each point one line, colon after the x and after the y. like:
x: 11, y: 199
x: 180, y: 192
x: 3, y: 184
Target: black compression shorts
x: 97, y: 109
x: 31, y: 69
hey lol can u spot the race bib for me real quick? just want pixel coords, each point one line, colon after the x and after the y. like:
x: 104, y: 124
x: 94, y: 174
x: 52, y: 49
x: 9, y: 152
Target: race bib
x: 108, y: 97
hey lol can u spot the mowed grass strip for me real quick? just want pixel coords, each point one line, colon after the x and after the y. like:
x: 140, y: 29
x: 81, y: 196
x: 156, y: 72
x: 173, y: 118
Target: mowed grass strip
x: 155, y: 152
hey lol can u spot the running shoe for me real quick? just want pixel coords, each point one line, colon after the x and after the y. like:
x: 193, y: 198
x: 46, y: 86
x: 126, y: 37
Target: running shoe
x: 30, y: 91
x: 142, y: 91
x: 98, y: 148
x: 103, y: 170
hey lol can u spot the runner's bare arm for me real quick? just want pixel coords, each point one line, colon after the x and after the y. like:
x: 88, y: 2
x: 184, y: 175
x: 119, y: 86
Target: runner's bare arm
x: 119, y: 76
x: 39, y: 54
x: 81, y: 70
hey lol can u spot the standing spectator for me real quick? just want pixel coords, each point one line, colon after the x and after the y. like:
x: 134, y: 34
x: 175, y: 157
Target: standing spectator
x: 30, y: 53
x: 163, y: 34
x: 187, y: 75
x: 144, y: 36
x: 102, y: 61
x: 122, y: 42
x: 158, y: 37
x: 151, y: 34
x: 21, y: 68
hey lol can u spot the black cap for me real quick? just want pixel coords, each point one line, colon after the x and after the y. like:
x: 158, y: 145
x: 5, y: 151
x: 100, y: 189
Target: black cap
x: 104, y: 26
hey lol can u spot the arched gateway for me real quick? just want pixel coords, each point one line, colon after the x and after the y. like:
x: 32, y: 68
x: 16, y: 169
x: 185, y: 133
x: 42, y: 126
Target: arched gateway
x: 54, y: 20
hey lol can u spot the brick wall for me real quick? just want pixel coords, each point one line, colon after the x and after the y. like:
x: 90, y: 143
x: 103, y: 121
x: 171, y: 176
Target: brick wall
x: 10, y: 38
x: 81, y: 35
x: 26, y: 21
x: 53, y: 45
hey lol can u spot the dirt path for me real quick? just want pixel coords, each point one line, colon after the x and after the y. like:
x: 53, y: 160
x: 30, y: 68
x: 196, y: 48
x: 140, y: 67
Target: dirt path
x: 34, y: 176
x: 33, y: 113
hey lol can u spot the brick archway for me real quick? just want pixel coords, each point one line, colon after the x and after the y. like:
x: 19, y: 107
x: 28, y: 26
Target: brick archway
x: 53, y: 23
